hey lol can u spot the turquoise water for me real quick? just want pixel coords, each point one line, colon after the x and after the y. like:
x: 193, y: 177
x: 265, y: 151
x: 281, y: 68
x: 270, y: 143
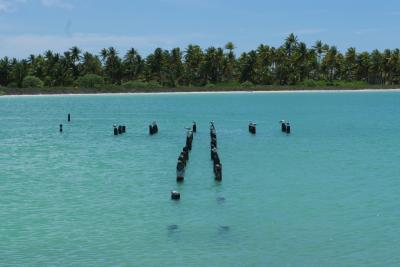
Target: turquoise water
x: 326, y: 195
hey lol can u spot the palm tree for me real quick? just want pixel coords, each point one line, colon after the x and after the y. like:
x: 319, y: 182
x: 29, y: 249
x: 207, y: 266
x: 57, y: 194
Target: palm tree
x: 112, y: 65
x: 318, y: 47
x: 247, y: 67
x: 229, y: 62
x: 350, y: 64
x: 363, y: 65
x: 290, y: 44
x: 19, y: 71
x: 156, y: 69
x: 264, y: 65
x: 330, y: 64
x: 75, y: 54
x: 175, y: 67
x: 376, y: 70
x: 300, y: 60
x: 5, y: 71
x: 192, y: 63
x: 91, y: 64
x: 132, y: 65
x: 213, y: 65
x: 75, y: 57
x: 104, y: 54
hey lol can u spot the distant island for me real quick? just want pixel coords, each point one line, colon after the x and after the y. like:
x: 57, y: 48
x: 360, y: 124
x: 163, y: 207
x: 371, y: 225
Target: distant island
x: 291, y: 66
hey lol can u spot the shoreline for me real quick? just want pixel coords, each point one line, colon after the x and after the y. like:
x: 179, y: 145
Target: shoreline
x: 183, y: 92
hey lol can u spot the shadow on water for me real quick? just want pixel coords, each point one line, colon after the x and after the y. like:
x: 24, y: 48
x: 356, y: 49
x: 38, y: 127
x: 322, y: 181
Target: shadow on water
x: 222, y: 229
x: 172, y: 229
x: 220, y: 200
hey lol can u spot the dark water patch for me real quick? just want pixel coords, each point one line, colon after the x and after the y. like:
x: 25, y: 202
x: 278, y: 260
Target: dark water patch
x: 221, y: 200
x: 172, y: 228
x: 224, y: 229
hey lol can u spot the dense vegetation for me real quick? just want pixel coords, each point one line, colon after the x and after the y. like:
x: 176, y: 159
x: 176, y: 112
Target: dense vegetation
x: 292, y: 64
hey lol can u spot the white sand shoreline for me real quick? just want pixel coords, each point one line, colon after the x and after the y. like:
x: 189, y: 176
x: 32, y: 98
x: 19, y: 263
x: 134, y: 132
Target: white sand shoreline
x: 216, y: 92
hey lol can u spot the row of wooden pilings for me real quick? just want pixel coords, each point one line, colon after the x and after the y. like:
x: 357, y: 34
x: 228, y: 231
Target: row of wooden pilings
x: 153, y: 128
x: 183, y: 160
x: 285, y: 126
x: 69, y: 119
x: 252, y: 128
x: 119, y: 130
x: 214, y: 153
x: 184, y: 156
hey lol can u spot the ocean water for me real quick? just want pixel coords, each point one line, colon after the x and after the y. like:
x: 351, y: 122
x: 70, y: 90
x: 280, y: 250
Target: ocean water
x: 326, y: 195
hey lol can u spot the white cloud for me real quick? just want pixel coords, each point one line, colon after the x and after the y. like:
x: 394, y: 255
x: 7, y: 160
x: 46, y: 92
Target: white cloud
x: 57, y: 3
x: 21, y: 46
x: 9, y: 5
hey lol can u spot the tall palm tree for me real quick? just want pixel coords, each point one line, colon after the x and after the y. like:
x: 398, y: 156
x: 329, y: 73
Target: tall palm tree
x: 90, y: 65
x: 5, y: 71
x: 132, y: 65
x: 175, y: 67
x: 376, y: 70
x: 290, y: 44
x: 350, y: 64
x: 112, y: 65
x: 230, y: 62
x: 330, y: 64
x: 193, y: 60
x: 75, y: 57
x: 318, y: 47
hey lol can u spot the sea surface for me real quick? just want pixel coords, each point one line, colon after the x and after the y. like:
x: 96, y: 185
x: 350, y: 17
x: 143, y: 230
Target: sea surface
x: 328, y: 194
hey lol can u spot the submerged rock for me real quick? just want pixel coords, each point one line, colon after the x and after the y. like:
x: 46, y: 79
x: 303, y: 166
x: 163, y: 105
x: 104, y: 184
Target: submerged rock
x: 172, y: 227
x: 224, y: 228
x: 221, y: 199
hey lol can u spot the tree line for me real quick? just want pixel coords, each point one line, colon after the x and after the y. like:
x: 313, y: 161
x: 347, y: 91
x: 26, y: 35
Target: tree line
x: 292, y: 63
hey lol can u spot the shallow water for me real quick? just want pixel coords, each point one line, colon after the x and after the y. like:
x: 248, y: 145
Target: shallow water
x: 326, y: 195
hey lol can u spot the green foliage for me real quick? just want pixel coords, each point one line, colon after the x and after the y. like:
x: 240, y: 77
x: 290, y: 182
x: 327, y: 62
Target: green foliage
x: 112, y: 87
x: 291, y: 64
x: 230, y: 85
x: 154, y: 85
x: 12, y: 85
x: 210, y: 85
x: 310, y: 83
x: 141, y: 85
x: 90, y: 81
x: 32, y: 82
x: 247, y: 84
x: 135, y: 85
x: 349, y: 84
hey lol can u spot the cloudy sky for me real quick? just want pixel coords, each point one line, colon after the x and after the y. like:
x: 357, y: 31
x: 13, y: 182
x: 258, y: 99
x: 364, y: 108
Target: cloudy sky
x: 33, y: 26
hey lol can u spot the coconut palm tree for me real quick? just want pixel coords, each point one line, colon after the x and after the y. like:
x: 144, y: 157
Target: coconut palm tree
x: 193, y: 60
x: 290, y: 44
x: 112, y: 65
x: 329, y: 63
x: 19, y: 70
x: 230, y: 62
x: 376, y: 70
x: 90, y: 64
x: 5, y: 71
x: 175, y: 69
x: 133, y: 65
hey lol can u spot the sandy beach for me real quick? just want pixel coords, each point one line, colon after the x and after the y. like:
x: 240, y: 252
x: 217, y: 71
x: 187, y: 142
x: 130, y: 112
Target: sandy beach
x: 217, y: 92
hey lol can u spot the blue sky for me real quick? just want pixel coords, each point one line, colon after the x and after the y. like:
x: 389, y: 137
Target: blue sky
x: 33, y: 26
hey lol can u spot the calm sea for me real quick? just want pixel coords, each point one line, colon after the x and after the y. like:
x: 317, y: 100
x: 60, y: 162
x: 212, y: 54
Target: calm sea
x: 326, y: 195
